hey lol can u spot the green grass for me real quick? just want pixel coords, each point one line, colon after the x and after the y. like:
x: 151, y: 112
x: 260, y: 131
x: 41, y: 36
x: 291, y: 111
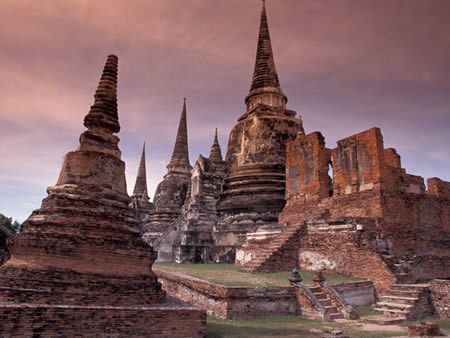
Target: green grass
x: 364, y: 311
x: 231, y: 275
x: 286, y: 326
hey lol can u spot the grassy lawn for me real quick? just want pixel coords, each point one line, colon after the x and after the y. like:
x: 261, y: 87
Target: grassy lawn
x: 288, y: 326
x: 296, y: 326
x: 231, y: 275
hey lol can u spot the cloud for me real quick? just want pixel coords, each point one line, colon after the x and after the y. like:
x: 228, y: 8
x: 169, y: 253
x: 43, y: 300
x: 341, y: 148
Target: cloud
x: 345, y: 65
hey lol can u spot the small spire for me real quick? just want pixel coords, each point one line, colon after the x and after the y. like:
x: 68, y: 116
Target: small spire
x: 265, y: 76
x: 216, y: 153
x: 216, y: 139
x: 181, y: 151
x: 140, y: 187
x: 103, y: 113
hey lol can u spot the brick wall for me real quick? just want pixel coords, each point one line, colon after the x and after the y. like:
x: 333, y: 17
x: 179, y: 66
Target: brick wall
x: 229, y: 302
x: 170, y: 319
x: 397, y: 219
x: 247, y: 302
x: 440, y: 295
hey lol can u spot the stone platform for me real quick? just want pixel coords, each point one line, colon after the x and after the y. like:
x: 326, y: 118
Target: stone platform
x: 170, y: 318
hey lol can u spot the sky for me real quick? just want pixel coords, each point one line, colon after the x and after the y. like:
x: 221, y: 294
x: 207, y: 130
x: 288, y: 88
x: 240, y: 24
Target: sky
x: 345, y: 66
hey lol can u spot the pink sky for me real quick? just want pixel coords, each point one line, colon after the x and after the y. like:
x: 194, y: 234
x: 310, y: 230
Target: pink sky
x: 345, y: 66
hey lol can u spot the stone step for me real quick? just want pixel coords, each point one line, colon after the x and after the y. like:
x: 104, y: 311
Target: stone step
x: 394, y: 305
x: 331, y: 309
x: 399, y: 299
x: 315, y: 289
x: 336, y: 315
x: 409, y: 287
x: 320, y: 295
x: 403, y: 293
x: 384, y: 320
x: 325, y: 302
x: 391, y: 312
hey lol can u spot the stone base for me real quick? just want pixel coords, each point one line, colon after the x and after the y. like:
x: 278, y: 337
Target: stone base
x: 171, y: 318
x: 424, y: 330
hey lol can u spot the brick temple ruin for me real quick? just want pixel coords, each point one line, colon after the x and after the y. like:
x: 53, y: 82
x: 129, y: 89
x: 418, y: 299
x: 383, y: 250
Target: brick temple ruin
x: 202, y: 214
x: 79, y: 265
x: 281, y: 199
x: 206, y: 213
x: 82, y: 261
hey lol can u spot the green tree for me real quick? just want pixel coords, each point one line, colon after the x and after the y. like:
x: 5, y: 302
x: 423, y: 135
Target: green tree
x: 7, y: 229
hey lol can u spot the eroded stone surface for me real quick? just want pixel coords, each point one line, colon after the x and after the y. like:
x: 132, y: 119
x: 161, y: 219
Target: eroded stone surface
x: 78, y: 263
x: 373, y: 221
x: 170, y: 195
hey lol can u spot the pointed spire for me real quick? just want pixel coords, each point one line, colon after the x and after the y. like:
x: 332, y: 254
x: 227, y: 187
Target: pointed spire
x: 180, y: 150
x: 140, y: 186
x: 216, y: 153
x: 265, y: 76
x: 103, y: 113
x: 92, y: 162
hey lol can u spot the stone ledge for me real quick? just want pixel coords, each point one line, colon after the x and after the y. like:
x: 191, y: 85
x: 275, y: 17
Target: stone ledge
x: 230, y: 302
x: 171, y: 318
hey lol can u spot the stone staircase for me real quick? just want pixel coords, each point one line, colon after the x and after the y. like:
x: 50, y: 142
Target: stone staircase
x: 271, y: 258
x: 400, y: 266
x: 326, y: 301
x: 408, y: 301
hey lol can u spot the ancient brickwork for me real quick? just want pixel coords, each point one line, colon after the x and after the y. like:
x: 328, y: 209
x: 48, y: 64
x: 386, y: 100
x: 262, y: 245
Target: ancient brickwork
x: 344, y: 251
x: 254, y: 189
x: 229, y: 302
x: 175, y: 319
x: 78, y: 263
x: 377, y: 221
x: 171, y: 192
x: 440, y: 295
x: 424, y: 330
x: 307, y: 168
x: 140, y: 201
x: 358, y: 163
x: 407, y: 301
x: 265, y: 87
x: 190, y: 239
x: 248, y: 302
x: 280, y: 254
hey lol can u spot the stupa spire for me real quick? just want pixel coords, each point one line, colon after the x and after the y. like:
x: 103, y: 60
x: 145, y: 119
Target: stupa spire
x: 180, y: 151
x: 265, y: 87
x: 216, y: 153
x: 97, y: 160
x: 140, y: 187
x: 103, y: 113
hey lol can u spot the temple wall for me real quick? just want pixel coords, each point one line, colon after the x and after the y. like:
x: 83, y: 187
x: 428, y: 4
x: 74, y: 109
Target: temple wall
x: 440, y: 295
x: 249, y: 302
x: 66, y: 321
x: 395, y: 219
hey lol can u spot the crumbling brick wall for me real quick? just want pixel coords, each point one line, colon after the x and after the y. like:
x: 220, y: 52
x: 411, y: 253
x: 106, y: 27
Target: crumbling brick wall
x: 440, y: 295
x: 398, y: 219
x: 307, y: 173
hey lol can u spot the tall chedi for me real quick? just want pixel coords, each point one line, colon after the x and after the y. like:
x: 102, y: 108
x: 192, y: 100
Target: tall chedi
x: 171, y: 191
x: 140, y: 200
x: 254, y: 189
x: 78, y: 266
